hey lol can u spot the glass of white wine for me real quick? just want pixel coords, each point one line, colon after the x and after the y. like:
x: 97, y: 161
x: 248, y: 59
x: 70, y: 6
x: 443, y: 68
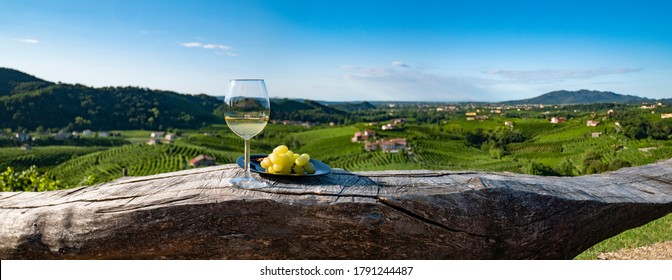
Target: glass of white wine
x: 247, y: 110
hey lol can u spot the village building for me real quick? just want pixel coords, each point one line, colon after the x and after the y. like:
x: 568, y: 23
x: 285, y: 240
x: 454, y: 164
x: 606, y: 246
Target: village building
x: 370, y: 133
x: 103, y: 134
x: 388, y: 126
x: 394, y: 145
x: 367, y: 135
x: 357, y: 137
x: 592, y: 123
x: 22, y: 137
x: 665, y: 116
x: 87, y: 132
x: 508, y: 123
x: 556, y: 120
x: 156, y: 134
x: 596, y: 134
x: 370, y: 146
x: 398, y: 121
x: 62, y: 135
x: 26, y: 147
x: 202, y: 161
x: 153, y: 141
x: 169, y: 138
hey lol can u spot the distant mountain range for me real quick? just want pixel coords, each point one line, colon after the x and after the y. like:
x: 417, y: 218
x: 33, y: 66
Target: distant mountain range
x: 583, y: 96
x: 29, y: 102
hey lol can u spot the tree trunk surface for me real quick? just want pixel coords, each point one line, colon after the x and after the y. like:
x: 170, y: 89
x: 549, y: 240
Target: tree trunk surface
x: 196, y: 214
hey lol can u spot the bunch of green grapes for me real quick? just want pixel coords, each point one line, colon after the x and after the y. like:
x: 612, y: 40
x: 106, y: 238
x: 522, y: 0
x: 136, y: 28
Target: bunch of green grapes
x: 284, y: 161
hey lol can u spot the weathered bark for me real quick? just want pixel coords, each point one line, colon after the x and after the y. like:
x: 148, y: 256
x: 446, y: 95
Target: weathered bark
x: 366, y: 215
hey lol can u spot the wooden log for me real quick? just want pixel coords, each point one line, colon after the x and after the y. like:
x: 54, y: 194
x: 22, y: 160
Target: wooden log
x: 196, y: 214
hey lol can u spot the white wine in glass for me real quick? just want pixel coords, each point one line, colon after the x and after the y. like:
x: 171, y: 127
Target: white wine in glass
x: 247, y: 109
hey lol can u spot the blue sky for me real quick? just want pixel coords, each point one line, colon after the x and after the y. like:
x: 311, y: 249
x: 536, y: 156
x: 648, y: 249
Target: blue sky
x: 347, y: 50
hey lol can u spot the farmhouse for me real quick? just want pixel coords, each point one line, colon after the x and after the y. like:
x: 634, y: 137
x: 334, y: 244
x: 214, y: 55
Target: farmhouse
x: 665, y: 116
x: 394, y: 145
x: 555, y: 120
x: 592, y: 123
x: 22, y: 137
x: 202, y: 160
x: 156, y: 134
x: 169, y: 138
x: 389, y: 126
x: 153, y: 141
x: 596, y: 134
x: 367, y: 135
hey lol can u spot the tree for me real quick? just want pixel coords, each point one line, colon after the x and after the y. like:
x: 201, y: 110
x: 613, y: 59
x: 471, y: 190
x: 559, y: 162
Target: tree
x: 566, y: 168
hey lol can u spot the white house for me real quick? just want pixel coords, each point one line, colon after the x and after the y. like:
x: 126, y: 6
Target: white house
x: 156, y: 134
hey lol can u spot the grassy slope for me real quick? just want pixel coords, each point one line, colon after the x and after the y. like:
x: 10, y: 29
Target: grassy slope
x: 656, y: 231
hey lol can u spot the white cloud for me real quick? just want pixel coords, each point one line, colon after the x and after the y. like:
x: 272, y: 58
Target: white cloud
x: 399, y: 64
x: 191, y: 45
x: 556, y: 75
x: 403, y: 83
x: 206, y: 46
x: 226, y: 53
x: 220, y: 47
x: 29, y: 41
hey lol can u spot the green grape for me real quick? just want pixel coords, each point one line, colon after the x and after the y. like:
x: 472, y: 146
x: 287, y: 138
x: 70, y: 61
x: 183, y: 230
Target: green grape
x: 266, y: 163
x: 302, y: 160
x: 278, y: 167
x: 309, y: 168
x: 284, y: 161
x: 286, y: 169
x: 280, y: 149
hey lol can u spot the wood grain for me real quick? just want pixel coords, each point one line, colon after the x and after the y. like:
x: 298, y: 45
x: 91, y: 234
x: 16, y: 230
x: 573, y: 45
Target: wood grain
x: 196, y: 214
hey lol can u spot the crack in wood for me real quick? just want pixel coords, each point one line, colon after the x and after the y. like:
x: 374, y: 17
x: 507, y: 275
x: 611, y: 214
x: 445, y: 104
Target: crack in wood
x: 69, y: 202
x: 426, y: 220
x: 154, y: 204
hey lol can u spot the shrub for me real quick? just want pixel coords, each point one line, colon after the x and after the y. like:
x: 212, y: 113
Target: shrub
x: 27, y: 180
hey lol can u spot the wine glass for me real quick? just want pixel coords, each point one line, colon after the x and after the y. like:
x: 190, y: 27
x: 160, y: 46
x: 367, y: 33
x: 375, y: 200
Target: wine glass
x: 247, y: 109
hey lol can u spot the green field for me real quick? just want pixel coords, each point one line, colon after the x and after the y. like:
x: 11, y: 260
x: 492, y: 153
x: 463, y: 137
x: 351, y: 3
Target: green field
x: 566, y: 149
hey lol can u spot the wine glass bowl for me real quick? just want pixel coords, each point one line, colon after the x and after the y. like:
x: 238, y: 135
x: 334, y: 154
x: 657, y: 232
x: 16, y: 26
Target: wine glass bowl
x: 246, y: 111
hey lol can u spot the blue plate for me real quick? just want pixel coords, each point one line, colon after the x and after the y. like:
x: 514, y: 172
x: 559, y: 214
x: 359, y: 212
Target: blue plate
x: 255, y: 166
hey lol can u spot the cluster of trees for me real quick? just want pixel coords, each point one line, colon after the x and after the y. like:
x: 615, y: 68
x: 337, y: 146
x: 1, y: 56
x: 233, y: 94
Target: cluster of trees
x: 592, y: 163
x: 498, y: 138
x: 78, y: 107
x: 637, y: 127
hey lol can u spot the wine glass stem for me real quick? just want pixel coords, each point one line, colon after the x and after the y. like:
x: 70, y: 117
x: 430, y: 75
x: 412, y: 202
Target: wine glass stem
x: 247, y: 159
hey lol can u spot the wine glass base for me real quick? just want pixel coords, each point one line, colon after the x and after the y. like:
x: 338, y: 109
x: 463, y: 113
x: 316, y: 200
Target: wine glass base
x: 248, y: 183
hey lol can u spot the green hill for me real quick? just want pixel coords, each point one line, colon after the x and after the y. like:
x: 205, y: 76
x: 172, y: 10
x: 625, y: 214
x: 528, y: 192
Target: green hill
x: 583, y: 96
x: 305, y: 110
x: 12, y: 81
x: 28, y: 102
